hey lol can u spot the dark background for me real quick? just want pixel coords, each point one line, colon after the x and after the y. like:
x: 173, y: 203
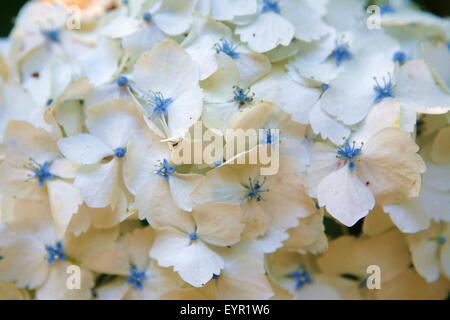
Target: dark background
x: 9, y: 9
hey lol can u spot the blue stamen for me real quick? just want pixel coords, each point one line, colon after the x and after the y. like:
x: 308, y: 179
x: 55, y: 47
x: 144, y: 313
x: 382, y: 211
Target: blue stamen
x: 136, y: 278
x: 316, y: 204
x: 441, y: 240
x: 400, y: 57
x: 147, y: 16
x: 255, y: 189
x: 193, y: 236
x: 122, y: 81
x: 386, y: 8
x: 271, y: 6
x: 325, y: 87
x: 269, y: 137
x: 228, y: 48
x: 164, y: 169
x: 341, y: 53
x: 349, y: 153
x: 120, y: 152
x: 53, y: 35
x: 41, y: 172
x: 159, y: 103
x: 383, y: 91
x: 55, y: 253
x: 216, y: 276
x: 49, y: 102
x: 242, y: 96
x: 301, y: 277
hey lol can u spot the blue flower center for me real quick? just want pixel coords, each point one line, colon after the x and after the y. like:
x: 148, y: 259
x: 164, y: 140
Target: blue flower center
x: 147, y: 16
x: 383, y: 90
x: 271, y: 6
x: 302, y: 277
x: 158, y: 103
x: 349, y: 153
x: 242, y: 96
x: 324, y: 87
x: 193, y: 236
x: 122, y: 81
x: 136, y: 277
x: 399, y: 57
x: 341, y: 53
x: 256, y: 187
x: 55, y: 253
x: 41, y: 172
x: 386, y: 8
x: 228, y: 48
x: 120, y: 152
x: 164, y: 169
x: 53, y: 35
x: 269, y: 136
x: 441, y: 240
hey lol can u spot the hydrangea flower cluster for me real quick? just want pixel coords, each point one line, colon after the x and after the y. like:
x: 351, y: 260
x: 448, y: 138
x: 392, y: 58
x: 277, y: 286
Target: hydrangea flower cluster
x: 96, y: 102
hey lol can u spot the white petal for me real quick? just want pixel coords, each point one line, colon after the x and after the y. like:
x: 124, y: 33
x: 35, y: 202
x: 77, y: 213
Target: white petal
x: 306, y: 19
x: 408, y: 216
x: 219, y: 87
x: 243, y: 276
x: 24, y: 261
x: 120, y: 27
x: 267, y: 32
x: 64, y: 202
x: 197, y: 263
x: 328, y: 127
x: 390, y: 165
x: 323, y: 162
x: 84, y: 149
x: 98, y: 183
x: 252, y: 67
x: 219, y: 224
x: 228, y: 9
x: 298, y: 100
x: 55, y: 288
x: 221, y: 185
x: 185, y: 111
x: 174, y: 17
x: 102, y: 63
x: 23, y: 141
x: 113, y: 122
x: 181, y: 187
x: 424, y: 256
x: 417, y: 89
x: 345, y: 197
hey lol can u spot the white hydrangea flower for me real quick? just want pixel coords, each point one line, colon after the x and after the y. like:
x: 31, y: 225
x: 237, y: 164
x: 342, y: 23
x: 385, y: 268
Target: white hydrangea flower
x: 101, y: 102
x: 34, y: 168
x: 277, y: 22
x: 187, y: 241
x: 166, y: 83
x: 101, y: 154
x: 379, y: 163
